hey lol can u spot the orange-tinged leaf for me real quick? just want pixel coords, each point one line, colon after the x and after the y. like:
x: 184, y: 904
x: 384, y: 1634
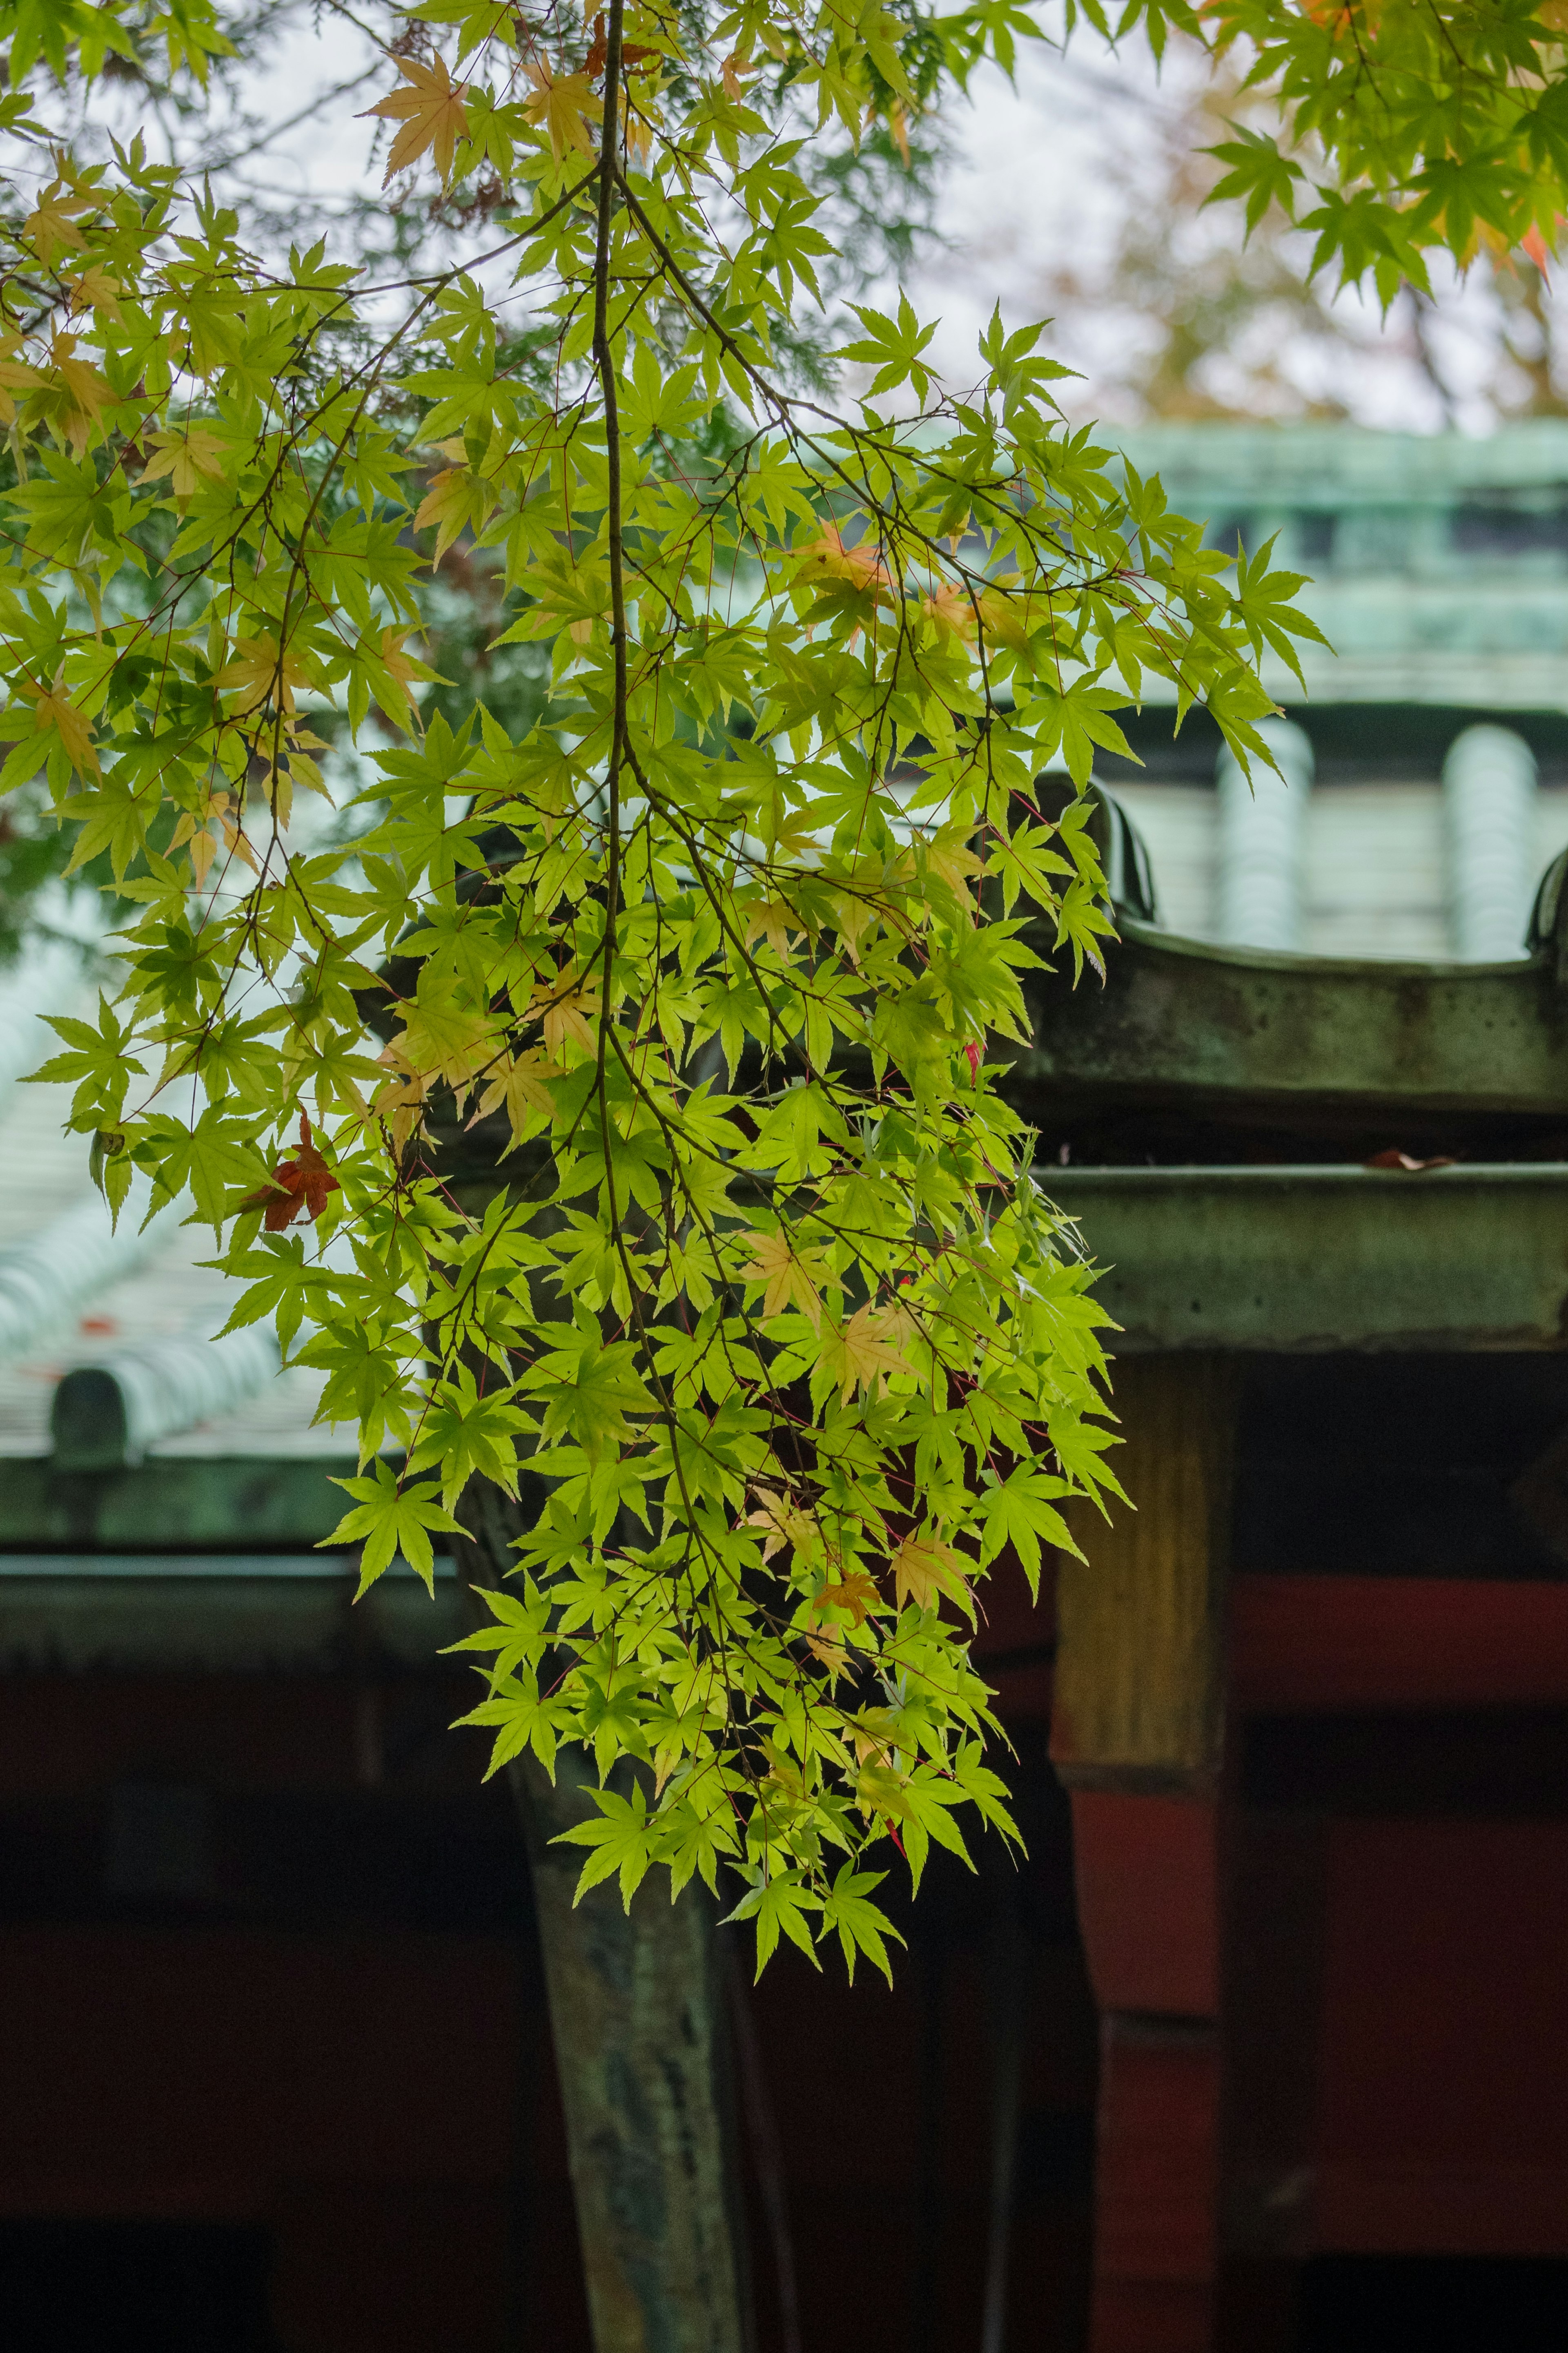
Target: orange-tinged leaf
x: 90, y: 390
x: 855, y: 1592
x: 16, y: 376
x: 731, y: 72
x: 88, y: 386
x: 951, y: 610
x: 398, y: 665
x: 827, y: 558
x: 562, y: 107
x: 454, y: 499
x: 432, y: 112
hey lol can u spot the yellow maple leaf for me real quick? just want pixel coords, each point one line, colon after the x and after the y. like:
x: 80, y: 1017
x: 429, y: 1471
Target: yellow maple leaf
x: 276, y: 779
x: 87, y: 388
x: 771, y: 919
x: 90, y: 391
x: 192, y: 832
x: 1007, y: 617
x: 562, y: 107
x: 951, y: 861
x: 923, y: 1571
x: 16, y: 376
x: 788, y: 1276
x: 566, y: 1010
x: 639, y: 133
x: 400, y: 1101
x: 94, y: 290
x: 52, y: 707
x: 432, y: 114
x: 184, y: 456
x: 516, y: 1084
x: 454, y: 498
x: 875, y: 1733
x: 783, y: 1522
x: 855, y: 913
x: 861, y: 1354
x: 198, y: 832
x: 257, y: 674
x: 893, y: 1322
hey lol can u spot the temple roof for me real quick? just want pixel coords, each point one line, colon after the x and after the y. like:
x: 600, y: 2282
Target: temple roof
x: 1439, y: 564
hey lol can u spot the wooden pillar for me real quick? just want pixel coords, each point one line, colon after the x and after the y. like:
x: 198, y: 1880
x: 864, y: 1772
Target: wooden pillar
x: 637, y: 2020
x: 1137, y: 1737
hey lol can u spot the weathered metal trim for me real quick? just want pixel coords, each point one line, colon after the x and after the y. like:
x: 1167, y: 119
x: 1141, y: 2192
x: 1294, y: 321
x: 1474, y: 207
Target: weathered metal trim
x: 1180, y: 1019
x: 212, y: 1617
x: 239, y: 1503
x: 1312, y: 1259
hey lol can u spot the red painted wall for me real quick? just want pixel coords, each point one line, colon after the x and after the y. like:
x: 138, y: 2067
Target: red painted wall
x: 1443, y: 2063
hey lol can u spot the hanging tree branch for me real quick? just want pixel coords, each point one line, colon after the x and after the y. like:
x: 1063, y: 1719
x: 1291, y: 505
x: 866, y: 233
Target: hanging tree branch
x: 711, y: 943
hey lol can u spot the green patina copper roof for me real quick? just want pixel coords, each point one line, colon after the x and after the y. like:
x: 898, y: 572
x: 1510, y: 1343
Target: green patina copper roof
x: 1439, y: 564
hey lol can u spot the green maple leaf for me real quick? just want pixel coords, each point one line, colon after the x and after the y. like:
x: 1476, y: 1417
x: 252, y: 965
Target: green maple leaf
x: 623, y: 1840
x: 1022, y: 1512
x: 1258, y: 171
x: 780, y: 1902
x: 589, y: 1390
x: 391, y: 1517
x: 861, y: 1926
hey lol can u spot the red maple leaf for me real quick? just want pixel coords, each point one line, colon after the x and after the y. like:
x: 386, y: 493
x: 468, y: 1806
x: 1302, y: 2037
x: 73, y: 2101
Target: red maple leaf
x: 295, y: 1184
x: 632, y: 53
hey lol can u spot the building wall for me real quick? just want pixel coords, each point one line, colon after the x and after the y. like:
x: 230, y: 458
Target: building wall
x: 1375, y: 868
